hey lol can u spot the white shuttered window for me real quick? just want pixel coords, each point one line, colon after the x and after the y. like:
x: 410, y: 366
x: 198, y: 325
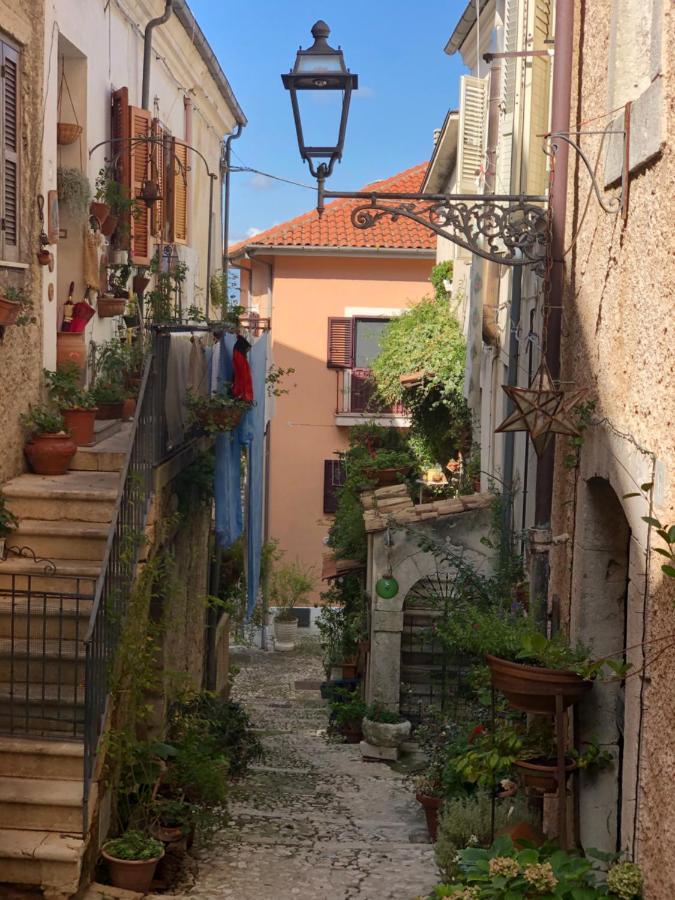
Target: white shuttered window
x: 472, y: 135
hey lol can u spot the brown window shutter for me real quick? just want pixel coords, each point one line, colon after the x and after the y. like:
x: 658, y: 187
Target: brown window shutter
x: 9, y: 155
x: 139, y: 127
x: 120, y: 133
x: 158, y: 173
x: 178, y: 168
x: 333, y: 480
x: 340, y: 343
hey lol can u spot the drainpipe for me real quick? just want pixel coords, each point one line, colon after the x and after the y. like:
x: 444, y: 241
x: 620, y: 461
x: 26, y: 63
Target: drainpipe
x: 512, y: 380
x: 226, y: 209
x: 147, y: 51
x: 560, y: 121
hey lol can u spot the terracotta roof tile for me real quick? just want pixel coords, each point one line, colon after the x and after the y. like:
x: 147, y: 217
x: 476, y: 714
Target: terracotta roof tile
x: 335, y: 229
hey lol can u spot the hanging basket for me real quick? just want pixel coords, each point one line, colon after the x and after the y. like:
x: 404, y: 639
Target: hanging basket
x: 220, y: 419
x: 67, y: 133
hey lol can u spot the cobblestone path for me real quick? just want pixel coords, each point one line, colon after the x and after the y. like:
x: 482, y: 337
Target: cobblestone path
x: 313, y: 820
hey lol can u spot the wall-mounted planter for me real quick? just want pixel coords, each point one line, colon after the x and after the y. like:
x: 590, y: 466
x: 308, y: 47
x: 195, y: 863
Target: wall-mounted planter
x: 99, y: 210
x: 107, y: 306
x: 71, y: 350
x: 108, y: 226
x: 9, y: 311
x: 534, y: 689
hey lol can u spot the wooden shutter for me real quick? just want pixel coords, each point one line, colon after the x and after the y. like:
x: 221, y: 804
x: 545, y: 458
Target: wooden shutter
x: 120, y: 133
x: 508, y: 99
x: 139, y: 126
x: 536, y: 162
x: 9, y: 154
x: 340, y: 343
x: 178, y: 168
x: 333, y: 479
x: 472, y: 133
x: 158, y: 173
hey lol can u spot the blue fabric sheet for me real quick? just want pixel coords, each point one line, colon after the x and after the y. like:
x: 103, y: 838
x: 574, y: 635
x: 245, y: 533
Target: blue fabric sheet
x: 227, y: 477
x: 255, y: 437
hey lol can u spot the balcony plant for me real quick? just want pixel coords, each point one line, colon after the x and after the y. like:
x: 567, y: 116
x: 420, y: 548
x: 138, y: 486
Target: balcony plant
x: 289, y: 587
x: 16, y: 307
x: 217, y: 412
x: 8, y: 523
x: 385, y: 467
x: 74, y: 191
x: 132, y: 860
x: 109, y: 191
x: 50, y: 449
x: 77, y: 406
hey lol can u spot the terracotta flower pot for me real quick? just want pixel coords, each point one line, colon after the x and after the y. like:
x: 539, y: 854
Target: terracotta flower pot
x: 431, y: 806
x: 9, y: 311
x: 44, y: 257
x: 80, y: 424
x: 139, y: 283
x: 133, y: 875
x: 385, y: 477
x: 540, y: 774
x: 110, y: 410
x: 534, y: 689
x: 99, y: 210
x: 221, y: 419
x: 349, y: 668
x: 128, y: 408
x: 71, y: 350
x: 108, y: 225
x: 50, y: 454
x: 67, y: 132
x: 107, y: 307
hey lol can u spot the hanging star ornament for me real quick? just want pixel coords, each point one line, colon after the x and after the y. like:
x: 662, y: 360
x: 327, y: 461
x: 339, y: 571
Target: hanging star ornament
x: 542, y: 410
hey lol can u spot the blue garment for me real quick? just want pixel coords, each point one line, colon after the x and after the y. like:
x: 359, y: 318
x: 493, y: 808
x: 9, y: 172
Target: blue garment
x: 253, y: 433
x: 227, y: 476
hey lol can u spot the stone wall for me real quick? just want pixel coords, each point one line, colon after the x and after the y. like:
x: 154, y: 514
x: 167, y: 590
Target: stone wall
x: 22, y: 23
x: 618, y: 343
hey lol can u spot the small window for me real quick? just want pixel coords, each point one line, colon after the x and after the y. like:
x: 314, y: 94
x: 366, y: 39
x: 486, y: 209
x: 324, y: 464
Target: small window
x: 369, y: 334
x: 333, y: 480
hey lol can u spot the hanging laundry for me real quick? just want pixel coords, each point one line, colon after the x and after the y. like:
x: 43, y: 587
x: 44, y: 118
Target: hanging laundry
x: 242, y: 387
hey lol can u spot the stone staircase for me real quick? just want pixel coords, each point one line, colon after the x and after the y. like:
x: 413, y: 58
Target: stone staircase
x: 44, y: 616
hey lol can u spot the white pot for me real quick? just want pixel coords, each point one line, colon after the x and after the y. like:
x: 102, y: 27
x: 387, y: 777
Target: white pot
x: 384, y: 734
x: 285, y: 634
x: 120, y: 257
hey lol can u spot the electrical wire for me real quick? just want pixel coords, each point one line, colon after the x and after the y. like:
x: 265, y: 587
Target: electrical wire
x: 310, y: 187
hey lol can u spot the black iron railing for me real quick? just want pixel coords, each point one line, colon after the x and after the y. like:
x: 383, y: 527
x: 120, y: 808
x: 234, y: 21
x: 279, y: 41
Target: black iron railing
x: 357, y: 394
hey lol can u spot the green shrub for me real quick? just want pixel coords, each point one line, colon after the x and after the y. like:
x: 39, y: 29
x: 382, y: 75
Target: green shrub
x: 134, y: 845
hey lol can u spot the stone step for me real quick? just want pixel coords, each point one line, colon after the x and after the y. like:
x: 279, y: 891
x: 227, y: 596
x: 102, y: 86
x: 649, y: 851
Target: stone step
x: 41, y: 710
x: 42, y: 660
x: 41, y: 857
x: 105, y: 456
x: 106, y: 428
x: 33, y: 805
x: 63, y: 540
x: 75, y: 496
x: 44, y: 616
x: 21, y: 575
x: 33, y: 758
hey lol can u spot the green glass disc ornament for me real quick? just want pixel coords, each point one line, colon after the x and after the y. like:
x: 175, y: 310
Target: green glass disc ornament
x: 386, y: 587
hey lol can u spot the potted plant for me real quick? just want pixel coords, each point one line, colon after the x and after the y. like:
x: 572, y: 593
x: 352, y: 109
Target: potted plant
x: 429, y: 794
x: 132, y: 860
x: 108, y: 306
x: 109, y: 397
x: 217, y: 412
x: 8, y: 523
x: 16, y: 307
x: 173, y: 820
x: 387, y: 467
x: 384, y: 728
x: 347, y: 712
x: 110, y: 191
x: 50, y: 448
x: 77, y: 406
x: 74, y: 191
x: 290, y: 586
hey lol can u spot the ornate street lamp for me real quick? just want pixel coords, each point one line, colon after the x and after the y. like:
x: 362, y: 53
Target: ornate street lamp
x: 320, y: 68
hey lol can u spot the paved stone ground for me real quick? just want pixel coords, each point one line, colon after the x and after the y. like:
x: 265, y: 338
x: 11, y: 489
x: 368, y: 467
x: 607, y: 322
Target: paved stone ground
x: 313, y: 820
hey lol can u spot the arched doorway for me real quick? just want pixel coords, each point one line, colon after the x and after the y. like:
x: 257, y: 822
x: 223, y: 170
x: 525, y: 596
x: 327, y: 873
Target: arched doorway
x: 599, y: 610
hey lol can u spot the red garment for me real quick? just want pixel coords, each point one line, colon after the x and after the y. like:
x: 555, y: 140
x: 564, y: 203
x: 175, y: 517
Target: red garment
x: 242, y: 387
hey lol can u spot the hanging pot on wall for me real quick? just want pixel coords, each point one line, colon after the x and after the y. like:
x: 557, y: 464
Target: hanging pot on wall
x: 108, y: 225
x: 100, y: 211
x: 67, y: 133
x: 108, y: 306
x: 44, y: 257
x: 139, y: 283
x: 149, y: 193
x: 9, y: 311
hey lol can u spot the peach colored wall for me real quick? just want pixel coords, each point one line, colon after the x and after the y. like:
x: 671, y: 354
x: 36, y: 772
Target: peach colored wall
x: 306, y: 291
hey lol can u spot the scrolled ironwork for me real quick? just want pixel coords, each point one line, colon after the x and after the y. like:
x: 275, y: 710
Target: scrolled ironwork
x: 511, y: 231
x: 49, y: 567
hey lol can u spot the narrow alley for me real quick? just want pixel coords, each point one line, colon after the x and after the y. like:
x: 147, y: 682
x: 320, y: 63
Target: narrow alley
x: 313, y: 820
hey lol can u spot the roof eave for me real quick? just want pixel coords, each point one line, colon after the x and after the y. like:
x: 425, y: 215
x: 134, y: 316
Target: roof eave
x: 464, y: 26
x: 252, y: 250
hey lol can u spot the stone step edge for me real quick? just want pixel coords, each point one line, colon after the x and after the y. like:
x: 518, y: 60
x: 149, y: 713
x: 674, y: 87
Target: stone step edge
x: 48, y: 846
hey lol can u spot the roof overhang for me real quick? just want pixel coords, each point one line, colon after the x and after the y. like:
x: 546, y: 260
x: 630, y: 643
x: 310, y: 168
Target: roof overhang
x: 442, y: 163
x: 308, y: 250
x: 186, y: 18
x: 464, y: 26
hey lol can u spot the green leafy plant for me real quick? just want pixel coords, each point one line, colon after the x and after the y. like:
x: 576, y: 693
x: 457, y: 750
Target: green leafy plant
x: 290, y: 585
x: 118, y: 279
x: 18, y: 295
x: 377, y: 712
x: 108, y: 392
x: 347, y: 708
x: 206, y: 410
x: 65, y: 391
x: 8, y: 521
x: 163, y: 301
x: 42, y: 420
x: 112, y: 192
x: 134, y: 845
x: 582, y: 416
x: 174, y: 814
x: 665, y: 532
x: 274, y: 380
x: 74, y: 191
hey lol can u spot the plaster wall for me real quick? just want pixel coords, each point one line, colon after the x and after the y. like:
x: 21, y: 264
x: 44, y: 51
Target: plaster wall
x: 21, y: 22
x: 306, y: 291
x: 618, y: 343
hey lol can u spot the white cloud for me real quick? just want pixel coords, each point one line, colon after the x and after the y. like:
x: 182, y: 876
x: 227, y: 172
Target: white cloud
x: 364, y: 92
x: 262, y: 182
x: 251, y: 232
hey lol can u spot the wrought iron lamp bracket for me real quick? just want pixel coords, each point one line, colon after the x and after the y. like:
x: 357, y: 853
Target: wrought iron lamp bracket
x: 509, y: 229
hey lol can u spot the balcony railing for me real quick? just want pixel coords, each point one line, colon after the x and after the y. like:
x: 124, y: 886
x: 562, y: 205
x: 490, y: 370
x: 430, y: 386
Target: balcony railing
x: 357, y: 395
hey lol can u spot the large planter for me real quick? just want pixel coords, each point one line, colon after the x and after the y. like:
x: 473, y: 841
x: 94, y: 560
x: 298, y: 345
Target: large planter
x: 534, y: 689
x: 385, y: 734
x: 540, y: 774
x: 110, y: 410
x: 71, y: 350
x: 80, y: 424
x: 431, y: 806
x: 50, y: 454
x: 133, y: 875
x: 9, y: 311
x: 107, y: 307
x: 285, y: 634
x: 385, y: 477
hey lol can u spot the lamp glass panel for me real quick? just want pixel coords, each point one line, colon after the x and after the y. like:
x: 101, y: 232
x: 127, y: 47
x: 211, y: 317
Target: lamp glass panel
x: 320, y: 113
x: 328, y: 64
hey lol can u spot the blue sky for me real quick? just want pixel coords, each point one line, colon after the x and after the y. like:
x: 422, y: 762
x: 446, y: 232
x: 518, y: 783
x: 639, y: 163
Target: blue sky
x: 407, y: 84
